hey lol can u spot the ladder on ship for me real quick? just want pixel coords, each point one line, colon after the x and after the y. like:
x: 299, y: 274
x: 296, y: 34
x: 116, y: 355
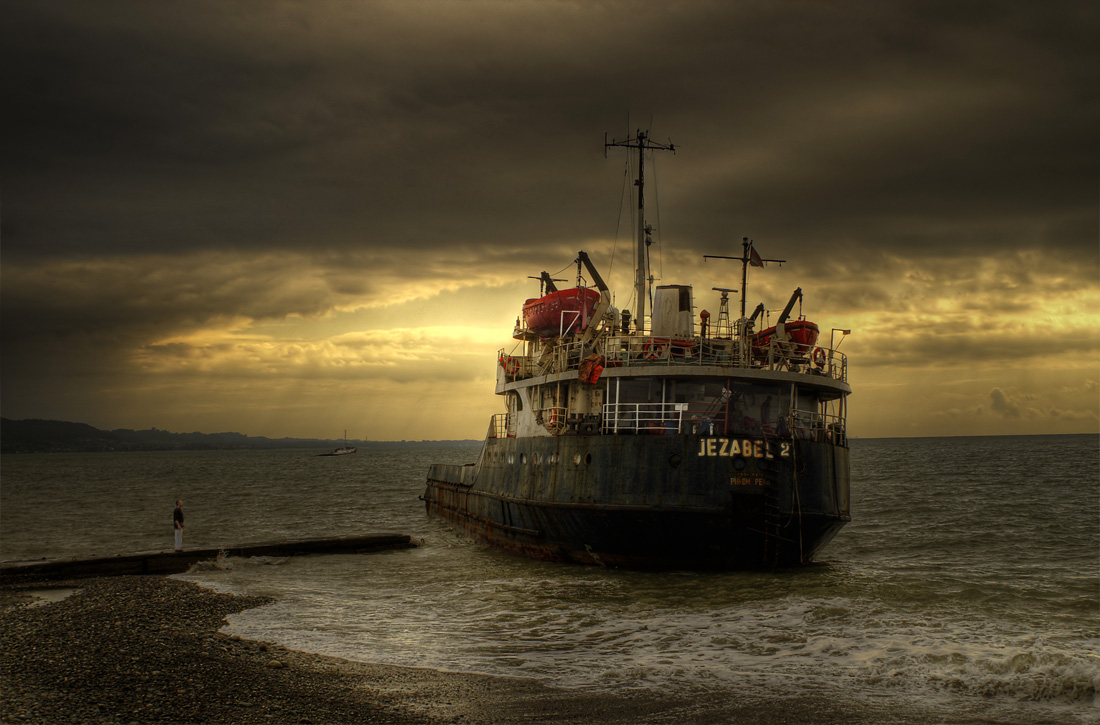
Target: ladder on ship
x: 773, y: 541
x: 771, y: 527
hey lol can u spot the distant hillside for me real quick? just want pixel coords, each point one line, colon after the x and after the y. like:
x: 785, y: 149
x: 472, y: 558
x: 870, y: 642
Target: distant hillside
x: 56, y: 436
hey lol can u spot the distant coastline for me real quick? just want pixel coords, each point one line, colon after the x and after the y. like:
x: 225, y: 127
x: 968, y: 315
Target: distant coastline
x: 57, y: 436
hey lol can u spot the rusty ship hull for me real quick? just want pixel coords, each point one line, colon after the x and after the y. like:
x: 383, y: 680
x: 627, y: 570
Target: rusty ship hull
x: 649, y: 501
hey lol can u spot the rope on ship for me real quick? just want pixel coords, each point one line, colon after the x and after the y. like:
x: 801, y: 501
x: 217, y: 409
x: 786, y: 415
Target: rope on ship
x: 797, y: 499
x: 619, y: 218
x: 771, y: 526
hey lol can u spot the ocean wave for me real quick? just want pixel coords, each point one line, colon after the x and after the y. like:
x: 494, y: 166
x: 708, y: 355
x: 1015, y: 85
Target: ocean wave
x: 1033, y: 671
x: 228, y: 563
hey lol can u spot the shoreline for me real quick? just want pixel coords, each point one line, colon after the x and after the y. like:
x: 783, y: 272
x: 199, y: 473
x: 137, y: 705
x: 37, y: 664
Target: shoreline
x: 148, y: 649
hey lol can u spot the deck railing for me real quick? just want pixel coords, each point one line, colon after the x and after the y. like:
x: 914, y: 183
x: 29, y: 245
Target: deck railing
x: 643, y: 417
x: 818, y: 427
x: 712, y: 419
x: 631, y: 351
x: 554, y: 419
x: 501, y: 426
x: 688, y: 418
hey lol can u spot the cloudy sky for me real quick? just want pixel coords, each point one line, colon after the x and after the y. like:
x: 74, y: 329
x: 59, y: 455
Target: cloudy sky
x: 292, y: 218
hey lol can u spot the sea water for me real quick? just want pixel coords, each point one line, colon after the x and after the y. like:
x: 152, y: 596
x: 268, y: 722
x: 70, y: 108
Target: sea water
x: 967, y: 582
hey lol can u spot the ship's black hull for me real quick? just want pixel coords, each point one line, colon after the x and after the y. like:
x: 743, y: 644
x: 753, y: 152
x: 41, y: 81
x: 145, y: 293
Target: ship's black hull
x: 649, y: 501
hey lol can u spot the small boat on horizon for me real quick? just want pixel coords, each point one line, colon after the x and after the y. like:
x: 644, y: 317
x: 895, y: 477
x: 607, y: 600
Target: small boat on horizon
x: 344, y: 451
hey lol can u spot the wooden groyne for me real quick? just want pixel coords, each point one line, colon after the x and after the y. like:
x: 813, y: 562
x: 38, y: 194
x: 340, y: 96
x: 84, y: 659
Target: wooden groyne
x: 177, y: 562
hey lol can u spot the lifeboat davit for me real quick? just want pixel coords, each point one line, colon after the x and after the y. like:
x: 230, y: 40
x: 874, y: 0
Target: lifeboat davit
x: 802, y: 333
x: 563, y: 312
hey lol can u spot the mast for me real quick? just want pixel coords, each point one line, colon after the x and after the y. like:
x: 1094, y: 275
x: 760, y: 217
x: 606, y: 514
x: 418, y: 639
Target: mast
x: 641, y: 271
x: 748, y: 258
x: 745, y: 243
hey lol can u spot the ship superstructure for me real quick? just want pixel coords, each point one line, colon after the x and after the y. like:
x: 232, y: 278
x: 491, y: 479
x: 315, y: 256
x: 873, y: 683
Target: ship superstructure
x: 667, y: 439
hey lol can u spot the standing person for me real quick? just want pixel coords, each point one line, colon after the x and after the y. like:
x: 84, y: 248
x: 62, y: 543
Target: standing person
x: 177, y: 524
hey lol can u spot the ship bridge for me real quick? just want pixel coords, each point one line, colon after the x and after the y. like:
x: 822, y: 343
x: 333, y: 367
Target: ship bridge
x: 647, y: 384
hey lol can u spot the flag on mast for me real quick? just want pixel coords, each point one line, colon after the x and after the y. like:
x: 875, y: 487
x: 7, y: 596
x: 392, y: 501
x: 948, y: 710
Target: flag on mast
x: 754, y: 258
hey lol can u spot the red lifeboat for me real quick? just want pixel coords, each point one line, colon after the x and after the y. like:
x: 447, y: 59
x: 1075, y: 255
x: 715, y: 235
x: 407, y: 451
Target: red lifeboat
x: 563, y: 312
x: 802, y: 333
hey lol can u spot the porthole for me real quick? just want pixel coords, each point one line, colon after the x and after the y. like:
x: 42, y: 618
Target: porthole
x: 576, y: 459
x: 511, y: 459
x: 523, y: 459
x: 587, y: 459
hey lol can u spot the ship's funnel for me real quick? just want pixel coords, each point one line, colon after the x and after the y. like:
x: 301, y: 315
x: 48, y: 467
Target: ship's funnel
x: 672, y: 312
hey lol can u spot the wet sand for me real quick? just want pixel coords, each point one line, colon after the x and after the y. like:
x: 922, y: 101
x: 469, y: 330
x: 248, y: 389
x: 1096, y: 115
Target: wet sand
x: 148, y: 650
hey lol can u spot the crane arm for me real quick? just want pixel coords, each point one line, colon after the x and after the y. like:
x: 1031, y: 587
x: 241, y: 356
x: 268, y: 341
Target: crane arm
x: 601, y: 306
x: 582, y: 257
x: 790, y: 305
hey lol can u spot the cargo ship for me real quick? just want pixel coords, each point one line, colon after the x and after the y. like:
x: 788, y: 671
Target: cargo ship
x: 659, y: 440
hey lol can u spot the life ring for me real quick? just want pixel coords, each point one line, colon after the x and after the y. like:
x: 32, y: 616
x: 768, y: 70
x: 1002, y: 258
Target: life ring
x: 655, y: 349
x: 553, y: 421
x: 819, y: 357
x: 510, y: 364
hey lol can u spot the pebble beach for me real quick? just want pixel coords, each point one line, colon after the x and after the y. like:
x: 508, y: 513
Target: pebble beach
x: 135, y: 649
x: 147, y: 650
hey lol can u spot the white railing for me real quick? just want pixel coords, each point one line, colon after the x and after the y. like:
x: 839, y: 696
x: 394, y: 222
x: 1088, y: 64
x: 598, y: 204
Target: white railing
x: 671, y: 418
x: 643, y: 417
x: 501, y: 426
x: 553, y: 419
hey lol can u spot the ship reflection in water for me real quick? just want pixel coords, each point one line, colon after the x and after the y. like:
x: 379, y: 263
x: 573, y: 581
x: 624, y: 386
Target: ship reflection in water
x: 653, y: 441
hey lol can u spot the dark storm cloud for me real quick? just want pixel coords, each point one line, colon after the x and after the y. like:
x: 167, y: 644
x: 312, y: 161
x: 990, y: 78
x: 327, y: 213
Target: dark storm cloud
x: 1008, y: 283
x: 156, y: 292
x: 142, y: 126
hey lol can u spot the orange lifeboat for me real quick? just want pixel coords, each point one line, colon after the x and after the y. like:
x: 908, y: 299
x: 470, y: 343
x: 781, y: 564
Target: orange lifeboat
x: 562, y: 312
x: 802, y: 333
